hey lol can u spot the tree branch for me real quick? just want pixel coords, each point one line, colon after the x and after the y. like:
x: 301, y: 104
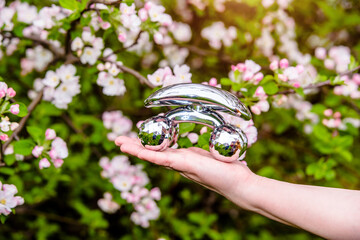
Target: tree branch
x: 320, y: 84
x: 22, y: 122
x: 311, y: 86
x: 136, y: 74
x: 107, y: 2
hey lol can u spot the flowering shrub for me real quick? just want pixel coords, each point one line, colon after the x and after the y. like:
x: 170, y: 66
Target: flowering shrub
x: 83, y: 68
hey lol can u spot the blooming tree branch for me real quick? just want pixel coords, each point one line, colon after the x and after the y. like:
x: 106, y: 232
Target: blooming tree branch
x: 22, y: 122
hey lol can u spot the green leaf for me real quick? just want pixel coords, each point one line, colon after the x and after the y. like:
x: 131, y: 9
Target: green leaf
x: 346, y: 155
x: 300, y: 91
x: 184, y: 142
x: 7, y: 170
x: 70, y: 4
x: 128, y: 2
x: 204, y: 139
x: 2, y: 218
x: 23, y: 109
x: 267, y: 78
x: 9, y: 159
x: 24, y: 146
x: 270, y: 88
x: 186, y: 127
x: 36, y: 133
x: 225, y: 81
x: 83, y: 4
x: 236, y: 75
x: 321, y: 132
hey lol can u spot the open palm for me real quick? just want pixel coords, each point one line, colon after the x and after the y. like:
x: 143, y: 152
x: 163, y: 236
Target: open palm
x: 193, y: 163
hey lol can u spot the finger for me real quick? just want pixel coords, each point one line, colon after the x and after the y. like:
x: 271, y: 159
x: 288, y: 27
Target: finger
x: 124, y: 139
x: 165, y: 158
x: 200, y: 151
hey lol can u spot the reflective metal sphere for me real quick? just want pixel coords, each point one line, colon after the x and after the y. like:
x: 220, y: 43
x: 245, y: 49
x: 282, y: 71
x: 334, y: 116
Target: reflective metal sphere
x: 227, y: 143
x: 157, y: 133
x: 175, y: 133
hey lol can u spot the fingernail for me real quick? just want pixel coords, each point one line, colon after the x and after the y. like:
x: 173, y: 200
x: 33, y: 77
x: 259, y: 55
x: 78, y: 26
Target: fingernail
x: 117, y: 141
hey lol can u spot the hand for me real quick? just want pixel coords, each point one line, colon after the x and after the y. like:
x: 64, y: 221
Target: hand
x: 228, y: 179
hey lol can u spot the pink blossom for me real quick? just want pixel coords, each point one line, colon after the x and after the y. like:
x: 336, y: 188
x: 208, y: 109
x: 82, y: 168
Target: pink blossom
x: 328, y: 112
x: 158, y: 77
x: 122, y: 37
x: 52, y: 153
x: 44, y: 163
x: 296, y: 84
x: 260, y: 93
x: 356, y: 78
x: 155, y: 193
x: 338, y: 90
x: 181, y: 31
x: 213, y: 82
x: 105, y: 25
x: 320, y: 53
x: 130, y: 181
x: 127, y: 10
x: 203, y: 130
x: 258, y: 77
x: 143, y: 14
x: 284, y: 63
x: 7, y: 198
x: 122, y: 183
x: 282, y: 77
x: 4, y: 137
x: 248, y: 76
x: 252, y: 67
x: 267, y: 3
x: 329, y: 63
x: 59, y: 146
x: 148, y: 5
x: 193, y: 137
x: 337, y: 115
x: 14, y: 125
x: 241, y: 67
x: 183, y: 73
x: 261, y: 106
x: 36, y: 152
x: 300, y: 68
x: 11, y: 92
x: 14, y: 109
x: 274, y: 65
x: 158, y: 38
x: 107, y: 205
x: 291, y: 73
x: 58, y: 162
x: 2, y: 93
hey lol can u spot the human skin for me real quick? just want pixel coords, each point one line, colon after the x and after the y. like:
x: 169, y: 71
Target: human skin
x: 331, y: 213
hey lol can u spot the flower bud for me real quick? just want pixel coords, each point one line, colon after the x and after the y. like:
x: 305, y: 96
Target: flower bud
x: 50, y: 134
x: 14, y: 109
x: 11, y: 92
x: 213, y: 82
x: 4, y: 137
x: 274, y: 65
x: 36, y: 152
x: 44, y: 163
x: 284, y: 63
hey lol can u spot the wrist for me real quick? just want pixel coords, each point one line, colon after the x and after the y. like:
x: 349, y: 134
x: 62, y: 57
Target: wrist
x: 246, y: 194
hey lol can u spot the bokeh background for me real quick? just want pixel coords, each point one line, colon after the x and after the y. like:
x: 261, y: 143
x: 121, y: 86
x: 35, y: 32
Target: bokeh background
x: 291, y: 146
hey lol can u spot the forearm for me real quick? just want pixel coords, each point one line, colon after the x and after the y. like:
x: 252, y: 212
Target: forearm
x: 328, y: 212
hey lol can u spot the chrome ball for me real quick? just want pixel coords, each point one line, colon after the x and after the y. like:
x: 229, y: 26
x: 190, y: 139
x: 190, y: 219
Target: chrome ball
x: 227, y: 143
x: 175, y: 134
x: 157, y: 133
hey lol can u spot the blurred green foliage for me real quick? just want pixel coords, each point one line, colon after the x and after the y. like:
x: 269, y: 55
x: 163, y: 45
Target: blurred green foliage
x: 62, y: 203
